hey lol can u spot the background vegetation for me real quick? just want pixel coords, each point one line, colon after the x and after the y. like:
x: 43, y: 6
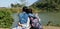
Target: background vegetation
x: 6, y: 19
x: 48, y: 5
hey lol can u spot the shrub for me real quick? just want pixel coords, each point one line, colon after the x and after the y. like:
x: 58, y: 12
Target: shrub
x: 5, y: 18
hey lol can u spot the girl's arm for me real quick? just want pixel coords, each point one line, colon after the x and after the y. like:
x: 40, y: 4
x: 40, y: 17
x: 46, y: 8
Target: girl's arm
x: 37, y: 16
x: 19, y: 20
x: 28, y: 22
x: 19, y: 24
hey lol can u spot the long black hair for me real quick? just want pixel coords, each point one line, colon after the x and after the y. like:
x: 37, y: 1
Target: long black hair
x: 27, y: 9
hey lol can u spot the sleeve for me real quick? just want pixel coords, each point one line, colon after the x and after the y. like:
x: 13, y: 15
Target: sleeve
x: 28, y: 22
x: 37, y: 16
x: 19, y: 16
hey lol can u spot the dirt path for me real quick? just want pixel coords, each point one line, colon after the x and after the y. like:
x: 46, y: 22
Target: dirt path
x: 4, y: 28
x: 44, y: 27
x: 50, y: 27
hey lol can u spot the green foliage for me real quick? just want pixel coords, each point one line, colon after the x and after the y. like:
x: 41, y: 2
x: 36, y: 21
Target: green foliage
x: 5, y: 18
x: 16, y: 5
x: 48, y: 5
x: 21, y: 4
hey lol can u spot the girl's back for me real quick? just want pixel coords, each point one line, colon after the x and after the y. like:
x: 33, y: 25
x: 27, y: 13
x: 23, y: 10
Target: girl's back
x: 35, y: 23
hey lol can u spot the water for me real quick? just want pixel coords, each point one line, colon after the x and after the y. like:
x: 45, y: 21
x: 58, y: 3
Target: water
x: 45, y: 17
x: 16, y: 19
x: 53, y: 17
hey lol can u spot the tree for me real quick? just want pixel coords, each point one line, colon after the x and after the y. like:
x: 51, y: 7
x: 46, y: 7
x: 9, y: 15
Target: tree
x: 23, y: 3
x: 12, y: 5
x: 16, y: 5
x: 48, y: 5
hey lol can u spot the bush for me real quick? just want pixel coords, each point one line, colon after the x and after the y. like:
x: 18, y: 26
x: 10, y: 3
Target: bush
x: 5, y: 18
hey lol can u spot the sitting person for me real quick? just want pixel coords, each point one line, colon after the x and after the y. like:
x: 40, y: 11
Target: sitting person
x: 34, y: 21
x: 24, y: 19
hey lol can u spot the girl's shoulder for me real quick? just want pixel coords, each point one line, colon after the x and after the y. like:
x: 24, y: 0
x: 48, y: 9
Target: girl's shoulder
x: 31, y: 14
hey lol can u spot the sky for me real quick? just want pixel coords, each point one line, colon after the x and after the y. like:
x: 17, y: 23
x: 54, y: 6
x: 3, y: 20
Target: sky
x: 6, y: 3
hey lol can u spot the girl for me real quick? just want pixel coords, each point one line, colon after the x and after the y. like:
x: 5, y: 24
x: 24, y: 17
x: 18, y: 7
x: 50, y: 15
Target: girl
x: 34, y: 21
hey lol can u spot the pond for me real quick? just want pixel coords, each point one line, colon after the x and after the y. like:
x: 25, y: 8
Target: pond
x: 53, y: 17
x: 45, y: 18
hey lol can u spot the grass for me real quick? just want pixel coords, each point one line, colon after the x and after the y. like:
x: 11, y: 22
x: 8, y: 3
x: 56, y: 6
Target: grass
x: 4, y: 28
